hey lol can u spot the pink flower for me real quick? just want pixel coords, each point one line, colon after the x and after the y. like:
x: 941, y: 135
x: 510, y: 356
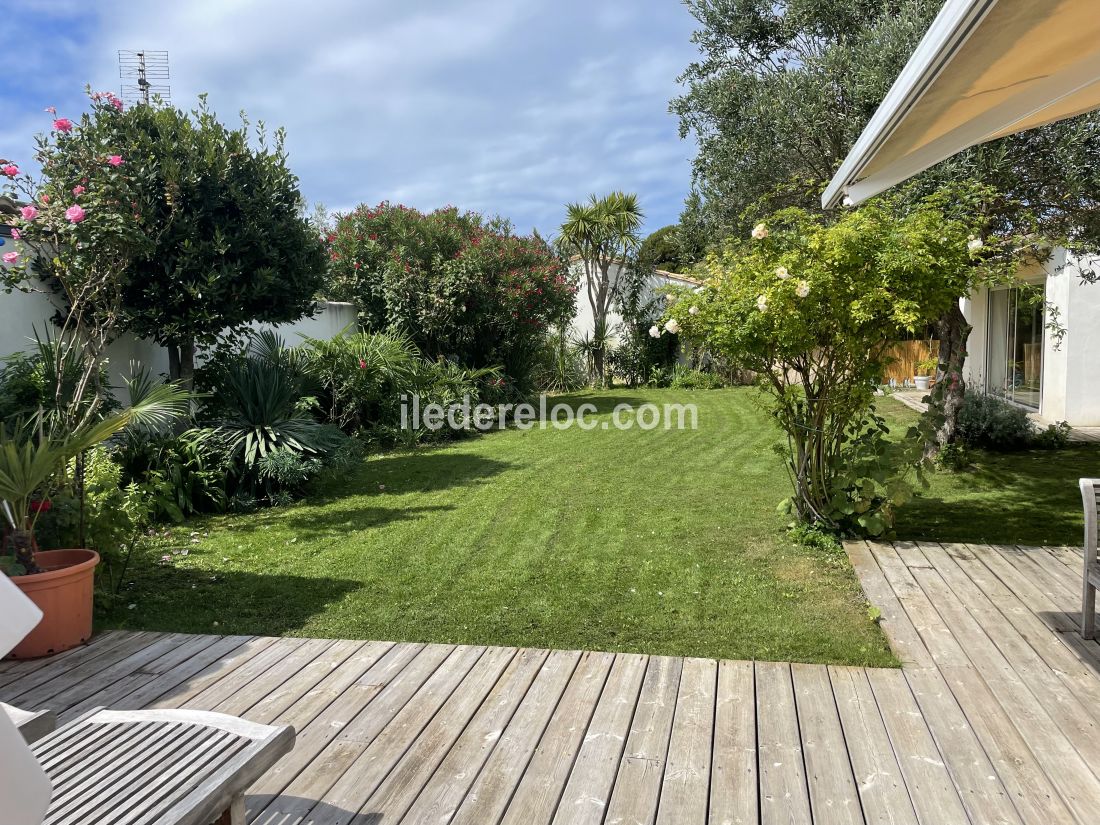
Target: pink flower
x: 63, y: 124
x: 44, y: 198
x: 74, y: 214
x: 16, y: 234
x: 52, y: 110
x: 362, y: 364
x: 28, y: 213
x: 114, y: 160
x: 78, y: 190
x: 11, y: 257
x: 11, y: 170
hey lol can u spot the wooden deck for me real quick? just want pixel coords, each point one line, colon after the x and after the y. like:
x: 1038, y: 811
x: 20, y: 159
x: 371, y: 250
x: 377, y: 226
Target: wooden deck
x: 992, y: 720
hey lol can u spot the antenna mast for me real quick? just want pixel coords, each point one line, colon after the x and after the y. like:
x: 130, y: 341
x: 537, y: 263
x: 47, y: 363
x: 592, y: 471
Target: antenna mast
x: 144, y: 76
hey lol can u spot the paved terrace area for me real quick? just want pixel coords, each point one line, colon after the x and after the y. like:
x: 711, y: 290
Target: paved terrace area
x: 993, y: 719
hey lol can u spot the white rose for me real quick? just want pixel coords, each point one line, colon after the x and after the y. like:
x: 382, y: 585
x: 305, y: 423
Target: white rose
x: 974, y: 244
x: 654, y: 332
x: 693, y: 311
x: 803, y: 289
x: 781, y: 273
x: 762, y: 303
x: 760, y: 231
x: 673, y: 326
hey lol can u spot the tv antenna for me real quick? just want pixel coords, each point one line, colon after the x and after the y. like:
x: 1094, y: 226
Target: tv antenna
x: 144, y: 76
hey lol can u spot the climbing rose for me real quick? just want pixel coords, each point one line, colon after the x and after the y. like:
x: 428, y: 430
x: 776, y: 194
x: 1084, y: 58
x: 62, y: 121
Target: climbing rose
x: 63, y: 124
x: 672, y: 326
x: 762, y: 303
x: 803, y: 289
x: 693, y: 311
x: 760, y: 231
x: 11, y: 257
x: 11, y: 170
x: 115, y: 160
x: 654, y: 332
x: 78, y: 190
x: 28, y: 213
x: 781, y: 273
x: 16, y: 234
x: 74, y: 214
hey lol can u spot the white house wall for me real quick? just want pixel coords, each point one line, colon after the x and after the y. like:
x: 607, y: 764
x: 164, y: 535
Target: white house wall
x: 1071, y: 366
x: 24, y: 314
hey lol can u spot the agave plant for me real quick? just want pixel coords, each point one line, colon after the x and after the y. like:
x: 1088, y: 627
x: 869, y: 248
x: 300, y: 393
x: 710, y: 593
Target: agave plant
x: 31, y: 457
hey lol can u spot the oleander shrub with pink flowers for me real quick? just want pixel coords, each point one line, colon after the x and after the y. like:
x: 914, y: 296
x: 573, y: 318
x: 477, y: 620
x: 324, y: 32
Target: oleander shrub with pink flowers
x: 463, y: 287
x: 811, y: 305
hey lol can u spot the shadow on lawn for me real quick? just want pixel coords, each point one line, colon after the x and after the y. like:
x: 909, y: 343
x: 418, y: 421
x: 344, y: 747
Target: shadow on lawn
x: 205, y: 600
x: 604, y: 404
x: 424, y: 470
x: 1023, y: 498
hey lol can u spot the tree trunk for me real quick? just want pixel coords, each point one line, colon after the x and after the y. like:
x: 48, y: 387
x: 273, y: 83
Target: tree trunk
x: 173, y: 362
x: 949, y: 392
x: 187, y: 365
x: 22, y: 542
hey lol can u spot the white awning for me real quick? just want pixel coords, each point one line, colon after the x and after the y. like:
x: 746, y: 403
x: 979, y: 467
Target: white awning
x: 985, y: 69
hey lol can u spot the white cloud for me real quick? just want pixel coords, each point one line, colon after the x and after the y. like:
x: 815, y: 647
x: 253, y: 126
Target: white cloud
x: 492, y: 105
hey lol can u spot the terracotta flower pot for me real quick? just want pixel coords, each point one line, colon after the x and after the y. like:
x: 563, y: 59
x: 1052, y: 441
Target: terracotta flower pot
x: 63, y: 592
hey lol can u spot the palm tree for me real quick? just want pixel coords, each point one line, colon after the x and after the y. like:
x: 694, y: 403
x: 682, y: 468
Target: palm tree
x: 601, y: 232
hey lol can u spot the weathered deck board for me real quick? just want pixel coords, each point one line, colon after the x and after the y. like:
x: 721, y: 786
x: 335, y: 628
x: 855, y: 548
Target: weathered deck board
x: 995, y: 717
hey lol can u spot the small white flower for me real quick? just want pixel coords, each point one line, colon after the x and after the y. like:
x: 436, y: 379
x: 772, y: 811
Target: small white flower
x: 781, y: 273
x: 760, y: 231
x: 762, y: 303
x: 654, y: 332
x: 847, y: 200
x: 803, y: 289
x: 672, y: 326
x: 693, y: 311
x: 974, y: 244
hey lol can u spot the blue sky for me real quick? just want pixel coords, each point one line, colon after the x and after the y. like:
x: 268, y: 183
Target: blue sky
x: 504, y: 106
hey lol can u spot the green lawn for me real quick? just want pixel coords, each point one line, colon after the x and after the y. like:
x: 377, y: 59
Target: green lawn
x: 661, y: 541
x: 1027, y: 498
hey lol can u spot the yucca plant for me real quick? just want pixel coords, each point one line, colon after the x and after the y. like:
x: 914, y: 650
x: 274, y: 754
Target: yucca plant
x: 262, y: 399
x: 31, y: 457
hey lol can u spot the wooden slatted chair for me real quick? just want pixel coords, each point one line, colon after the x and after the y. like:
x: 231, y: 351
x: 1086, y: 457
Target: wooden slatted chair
x: 168, y: 767
x: 1090, y: 498
x: 32, y: 724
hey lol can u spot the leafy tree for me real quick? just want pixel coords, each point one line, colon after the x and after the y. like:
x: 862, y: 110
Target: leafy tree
x: 462, y: 287
x: 230, y: 243
x: 811, y: 307
x: 783, y: 90
x: 661, y: 250
x: 78, y: 233
x: 601, y: 232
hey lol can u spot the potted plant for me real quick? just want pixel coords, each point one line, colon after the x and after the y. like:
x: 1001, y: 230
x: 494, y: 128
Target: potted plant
x: 926, y: 368
x: 60, y: 582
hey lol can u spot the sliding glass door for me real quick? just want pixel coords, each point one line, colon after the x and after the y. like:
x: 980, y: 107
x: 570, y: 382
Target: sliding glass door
x: 1015, y: 347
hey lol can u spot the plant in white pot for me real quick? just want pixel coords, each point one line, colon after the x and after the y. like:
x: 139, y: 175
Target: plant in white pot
x: 926, y: 368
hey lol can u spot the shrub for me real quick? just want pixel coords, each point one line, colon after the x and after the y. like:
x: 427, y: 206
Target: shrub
x: 353, y: 373
x: 560, y: 365
x: 465, y: 288
x: 989, y: 421
x: 1054, y: 437
x: 685, y: 378
x: 186, y: 473
x: 811, y: 307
